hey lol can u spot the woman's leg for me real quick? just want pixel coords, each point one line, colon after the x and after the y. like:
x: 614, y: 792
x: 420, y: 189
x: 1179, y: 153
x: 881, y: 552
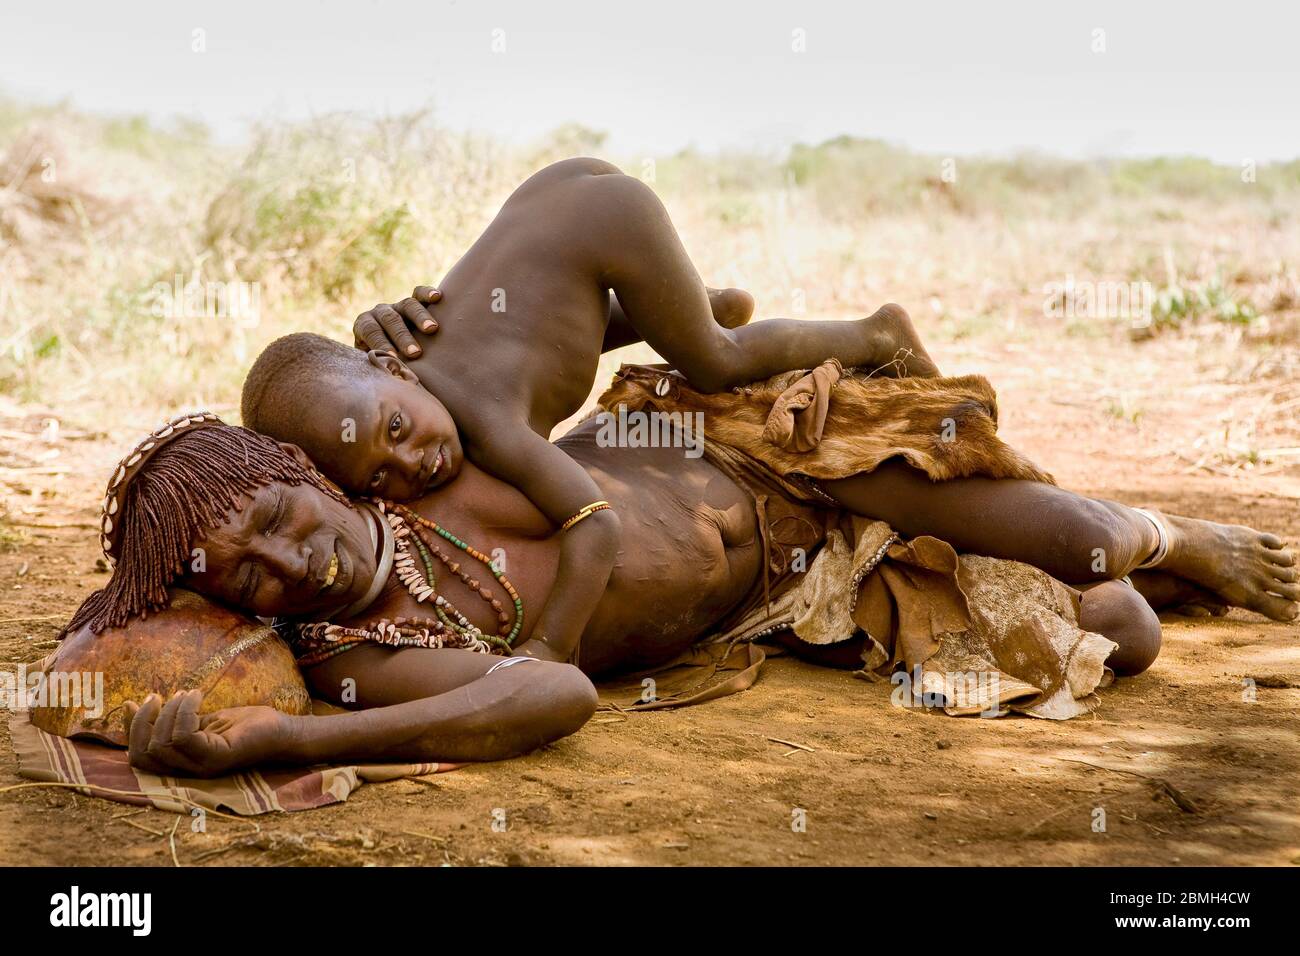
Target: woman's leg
x: 1116, y: 611
x: 1075, y: 539
x: 1112, y: 609
x: 1168, y: 592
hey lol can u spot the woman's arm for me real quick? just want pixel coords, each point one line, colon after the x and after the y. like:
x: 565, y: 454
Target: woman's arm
x: 515, y: 709
x: 511, y: 711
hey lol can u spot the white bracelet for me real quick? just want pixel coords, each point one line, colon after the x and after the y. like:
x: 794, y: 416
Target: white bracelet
x: 506, y: 662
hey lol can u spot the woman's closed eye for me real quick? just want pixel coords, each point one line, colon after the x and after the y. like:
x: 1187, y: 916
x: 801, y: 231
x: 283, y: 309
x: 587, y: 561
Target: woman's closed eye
x: 251, y: 579
x: 249, y: 586
x: 277, y: 514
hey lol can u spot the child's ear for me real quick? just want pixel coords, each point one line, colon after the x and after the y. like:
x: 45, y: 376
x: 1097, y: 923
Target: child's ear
x: 297, y: 454
x: 391, y: 364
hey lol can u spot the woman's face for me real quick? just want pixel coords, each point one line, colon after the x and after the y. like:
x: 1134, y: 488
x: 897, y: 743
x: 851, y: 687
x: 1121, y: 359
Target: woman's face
x: 286, y: 551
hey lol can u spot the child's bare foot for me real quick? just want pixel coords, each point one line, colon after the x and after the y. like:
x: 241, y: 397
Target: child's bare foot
x: 900, y: 342
x: 1244, y: 567
x: 732, y: 308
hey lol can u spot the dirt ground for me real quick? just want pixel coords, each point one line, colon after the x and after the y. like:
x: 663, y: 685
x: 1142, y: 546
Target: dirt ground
x: 1187, y: 770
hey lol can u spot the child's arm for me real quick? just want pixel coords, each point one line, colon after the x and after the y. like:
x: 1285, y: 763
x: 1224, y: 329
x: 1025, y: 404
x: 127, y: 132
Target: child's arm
x: 560, y: 488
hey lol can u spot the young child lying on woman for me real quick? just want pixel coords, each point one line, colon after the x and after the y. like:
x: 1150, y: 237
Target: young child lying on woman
x: 522, y: 320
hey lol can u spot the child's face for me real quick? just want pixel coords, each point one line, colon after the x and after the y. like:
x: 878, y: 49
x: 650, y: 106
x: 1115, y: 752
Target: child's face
x: 380, y: 433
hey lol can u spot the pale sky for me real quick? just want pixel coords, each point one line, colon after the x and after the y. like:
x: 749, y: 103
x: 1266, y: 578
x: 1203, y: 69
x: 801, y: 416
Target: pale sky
x: 1214, y: 79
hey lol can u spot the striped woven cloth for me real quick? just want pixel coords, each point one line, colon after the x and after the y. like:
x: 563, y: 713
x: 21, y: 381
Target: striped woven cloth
x: 102, y: 771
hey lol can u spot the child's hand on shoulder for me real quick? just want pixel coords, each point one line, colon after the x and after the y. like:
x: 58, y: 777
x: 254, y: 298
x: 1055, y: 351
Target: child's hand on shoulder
x: 384, y: 327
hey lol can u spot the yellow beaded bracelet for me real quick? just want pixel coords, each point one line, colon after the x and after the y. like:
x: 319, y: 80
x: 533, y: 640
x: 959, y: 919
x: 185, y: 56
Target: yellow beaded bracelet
x: 586, y: 512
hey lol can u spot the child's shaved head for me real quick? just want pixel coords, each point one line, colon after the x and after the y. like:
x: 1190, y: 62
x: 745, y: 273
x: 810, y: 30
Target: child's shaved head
x: 287, y: 375
x: 362, y: 417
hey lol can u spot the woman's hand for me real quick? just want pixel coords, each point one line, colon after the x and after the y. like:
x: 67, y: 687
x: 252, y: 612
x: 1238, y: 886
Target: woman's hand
x: 384, y: 329
x: 173, y: 738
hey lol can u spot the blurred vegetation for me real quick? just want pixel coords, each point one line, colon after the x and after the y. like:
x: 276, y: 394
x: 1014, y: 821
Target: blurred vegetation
x: 100, y: 218
x: 11, y: 538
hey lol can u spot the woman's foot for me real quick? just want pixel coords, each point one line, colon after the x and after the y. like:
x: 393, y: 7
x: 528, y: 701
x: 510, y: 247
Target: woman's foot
x: 900, y: 344
x: 1168, y: 592
x: 1244, y: 567
x: 732, y: 308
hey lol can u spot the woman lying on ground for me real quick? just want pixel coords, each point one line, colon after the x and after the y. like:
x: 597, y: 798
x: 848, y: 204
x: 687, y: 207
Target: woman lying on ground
x: 278, y: 540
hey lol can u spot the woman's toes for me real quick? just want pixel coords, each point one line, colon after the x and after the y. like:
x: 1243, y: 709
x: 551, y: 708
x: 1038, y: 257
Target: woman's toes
x: 1283, y: 556
x: 1201, y: 608
x: 1270, y: 541
x: 1289, y: 591
x: 1278, y: 608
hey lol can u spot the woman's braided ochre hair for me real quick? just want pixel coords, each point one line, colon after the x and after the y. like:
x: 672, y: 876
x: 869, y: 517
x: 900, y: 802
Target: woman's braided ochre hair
x: 176, y: 485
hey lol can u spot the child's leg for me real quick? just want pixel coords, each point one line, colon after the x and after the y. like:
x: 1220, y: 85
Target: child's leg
x: 731, y: 309
x: 1116, y: 611
x: 643, y: 261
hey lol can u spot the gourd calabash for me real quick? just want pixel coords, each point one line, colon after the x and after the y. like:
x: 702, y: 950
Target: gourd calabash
x: 193, y: 643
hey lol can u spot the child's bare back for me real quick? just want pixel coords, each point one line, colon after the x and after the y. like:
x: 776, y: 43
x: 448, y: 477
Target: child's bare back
x: 523, y: 313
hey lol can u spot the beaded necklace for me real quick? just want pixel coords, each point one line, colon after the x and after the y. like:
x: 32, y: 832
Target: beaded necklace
x: 407, y: 524
x: 415, y: 537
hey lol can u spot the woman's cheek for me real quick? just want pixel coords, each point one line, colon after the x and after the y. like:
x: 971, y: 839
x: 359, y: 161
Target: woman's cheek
x: 270, y: 601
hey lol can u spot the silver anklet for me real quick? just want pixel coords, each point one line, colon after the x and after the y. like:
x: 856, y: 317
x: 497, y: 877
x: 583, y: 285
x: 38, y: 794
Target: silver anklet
x: 1162, y: 547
